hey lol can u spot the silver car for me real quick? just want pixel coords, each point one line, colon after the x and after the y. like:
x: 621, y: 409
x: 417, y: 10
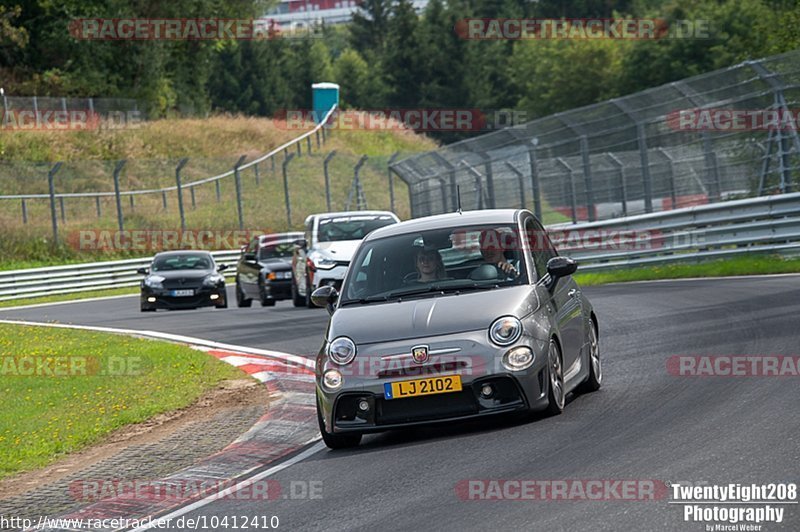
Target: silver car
x: 452, y: 317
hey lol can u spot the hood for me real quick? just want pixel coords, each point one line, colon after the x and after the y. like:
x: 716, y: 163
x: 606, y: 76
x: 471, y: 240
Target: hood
x: 183, y: 274
x: 432, y: 316
x: 277, y: 263
x: 341, y: 250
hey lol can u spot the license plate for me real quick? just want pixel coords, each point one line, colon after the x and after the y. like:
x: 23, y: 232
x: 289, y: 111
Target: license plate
x: 417, y: 387
x: 181, y: 293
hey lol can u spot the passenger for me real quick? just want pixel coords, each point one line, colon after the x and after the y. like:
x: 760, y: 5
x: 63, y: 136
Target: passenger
x: 429, y: 266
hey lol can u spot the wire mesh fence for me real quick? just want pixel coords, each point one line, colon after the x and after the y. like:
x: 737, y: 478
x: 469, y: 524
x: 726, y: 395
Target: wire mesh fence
x: 727, y: 134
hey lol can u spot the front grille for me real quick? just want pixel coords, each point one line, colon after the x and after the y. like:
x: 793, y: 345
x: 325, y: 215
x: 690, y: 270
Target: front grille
x: 439, y: 406
x: 176, y: 284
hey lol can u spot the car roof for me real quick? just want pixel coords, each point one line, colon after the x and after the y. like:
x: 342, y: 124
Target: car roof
x: 453, y: 219
x: 279, y: 237
x: 183, y: 252
x: 341, y: 214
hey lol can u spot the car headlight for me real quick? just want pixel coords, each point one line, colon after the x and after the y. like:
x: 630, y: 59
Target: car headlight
x: 505, y: 330
x: 518, y: 358
x: 154, y: 281
x: 342, y: 350
x: 322, y: 262
x: 213, y: 280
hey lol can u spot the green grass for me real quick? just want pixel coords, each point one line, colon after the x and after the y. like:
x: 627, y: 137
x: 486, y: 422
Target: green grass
x: 749, y: 265
x: 45, y: 417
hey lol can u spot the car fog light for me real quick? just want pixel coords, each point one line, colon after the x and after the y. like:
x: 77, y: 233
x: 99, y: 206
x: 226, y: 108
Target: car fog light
x: 487, y: 391
x: 151, y: 299
x: 518, y: 359
x: 214, y: 296
x: 363, y: 405
x: 332, y: 379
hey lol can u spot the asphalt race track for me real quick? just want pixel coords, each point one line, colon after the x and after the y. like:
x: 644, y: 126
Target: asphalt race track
x: 643, y: 424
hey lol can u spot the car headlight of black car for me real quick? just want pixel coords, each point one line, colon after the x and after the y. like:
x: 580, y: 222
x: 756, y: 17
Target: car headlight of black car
x: 505, y: 330
x: 154, y: 281
x: 342, y: 350
x: 212, y: 280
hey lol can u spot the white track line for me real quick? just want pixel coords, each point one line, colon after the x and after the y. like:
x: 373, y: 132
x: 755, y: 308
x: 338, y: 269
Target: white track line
x: 286, y: 357
x: 54, y: 303
x: 161, y: 521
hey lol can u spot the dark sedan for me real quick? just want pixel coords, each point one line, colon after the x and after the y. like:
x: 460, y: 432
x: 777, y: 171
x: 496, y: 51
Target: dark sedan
x: 264, y: 270
x: 183, y: 280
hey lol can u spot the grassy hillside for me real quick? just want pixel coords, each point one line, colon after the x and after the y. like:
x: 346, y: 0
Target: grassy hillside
x: 152, y: 152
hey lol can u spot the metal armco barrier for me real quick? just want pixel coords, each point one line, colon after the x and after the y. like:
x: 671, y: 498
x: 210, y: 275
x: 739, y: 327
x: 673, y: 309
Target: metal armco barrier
x: 768, y: 224
x: 74, y: 278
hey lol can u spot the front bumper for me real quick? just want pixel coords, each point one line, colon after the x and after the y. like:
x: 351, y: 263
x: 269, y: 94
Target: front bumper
x: 477, y: 363
x: 332, y: 277
x: 278, y: 290
x: 203, y: 297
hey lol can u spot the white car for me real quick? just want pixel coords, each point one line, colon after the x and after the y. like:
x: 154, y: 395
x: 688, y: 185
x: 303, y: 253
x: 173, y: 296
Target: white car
x: 330, y: 240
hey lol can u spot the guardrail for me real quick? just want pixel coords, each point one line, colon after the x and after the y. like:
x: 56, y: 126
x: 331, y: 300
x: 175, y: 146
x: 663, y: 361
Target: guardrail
x: 75, y: 278
x: 759, y: 225
x: 768, y: 224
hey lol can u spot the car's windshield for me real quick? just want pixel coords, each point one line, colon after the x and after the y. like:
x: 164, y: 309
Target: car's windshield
x: 429, y: 263
x: 351, y: 227
x: 188, y: 261
x: 276, y: 251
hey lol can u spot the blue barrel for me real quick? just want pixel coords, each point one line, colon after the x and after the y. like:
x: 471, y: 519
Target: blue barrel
x: 325, y: 96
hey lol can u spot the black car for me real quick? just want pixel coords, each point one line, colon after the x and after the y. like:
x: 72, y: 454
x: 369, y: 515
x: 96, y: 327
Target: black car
x: 264, y: 270
x: 183, y: 280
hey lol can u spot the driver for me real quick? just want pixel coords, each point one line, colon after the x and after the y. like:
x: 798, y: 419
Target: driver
x: 492, y: 251
x: 430, y: 266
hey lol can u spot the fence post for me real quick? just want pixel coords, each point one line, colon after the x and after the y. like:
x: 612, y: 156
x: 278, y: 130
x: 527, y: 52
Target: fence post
x: 537, y: 193
x: 163, y: 199
x: 194, y: 203
x: 327, y: 179
x: 178, y: 168
x: 490, y: 199
x: 61, y: 206
x: 573, y: 205
x: 24, y: 211
x: 478, y: 182
x: 238, y: 181
x: 623, y: 192
x: 673, y: 195
x: 711, y: 168
x: 587, y: 177
x: 52, y: 190
x: 299, y: 149
x: 5, y: 110
x: 36, y: 112
x: 443, y: 192
x: 520, y: 177
x: 97, y: 205
x: 645, y: 162
x: 308, y: 144
x: 216, y: 189
x: 317, y: 134
x: 286, y: 190
x: 359, y: 192
x: 117, y: 170
x: 391, y: 179
x: 258, y: 177
x: 132, y: 202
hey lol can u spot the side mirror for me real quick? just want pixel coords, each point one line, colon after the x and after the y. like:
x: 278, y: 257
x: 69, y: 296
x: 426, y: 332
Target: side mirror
x: 222, y: 267
x: 559, y: 267
x: 143, y: 271
x: 249, y: 257
x: 325, y: 296
x: 301, y: 243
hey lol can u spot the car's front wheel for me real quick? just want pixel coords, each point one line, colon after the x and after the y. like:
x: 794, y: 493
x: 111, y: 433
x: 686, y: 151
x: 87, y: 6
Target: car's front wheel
x: 595, y: 379
x: 336, y: 441
x: 555, y: 373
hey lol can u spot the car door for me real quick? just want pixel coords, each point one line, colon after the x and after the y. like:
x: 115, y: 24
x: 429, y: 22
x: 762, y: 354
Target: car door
x: 565, y: 298
x: 248, y: 276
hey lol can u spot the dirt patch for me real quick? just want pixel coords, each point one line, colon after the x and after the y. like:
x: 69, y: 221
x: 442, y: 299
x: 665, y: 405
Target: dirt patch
x: 230, y: 395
